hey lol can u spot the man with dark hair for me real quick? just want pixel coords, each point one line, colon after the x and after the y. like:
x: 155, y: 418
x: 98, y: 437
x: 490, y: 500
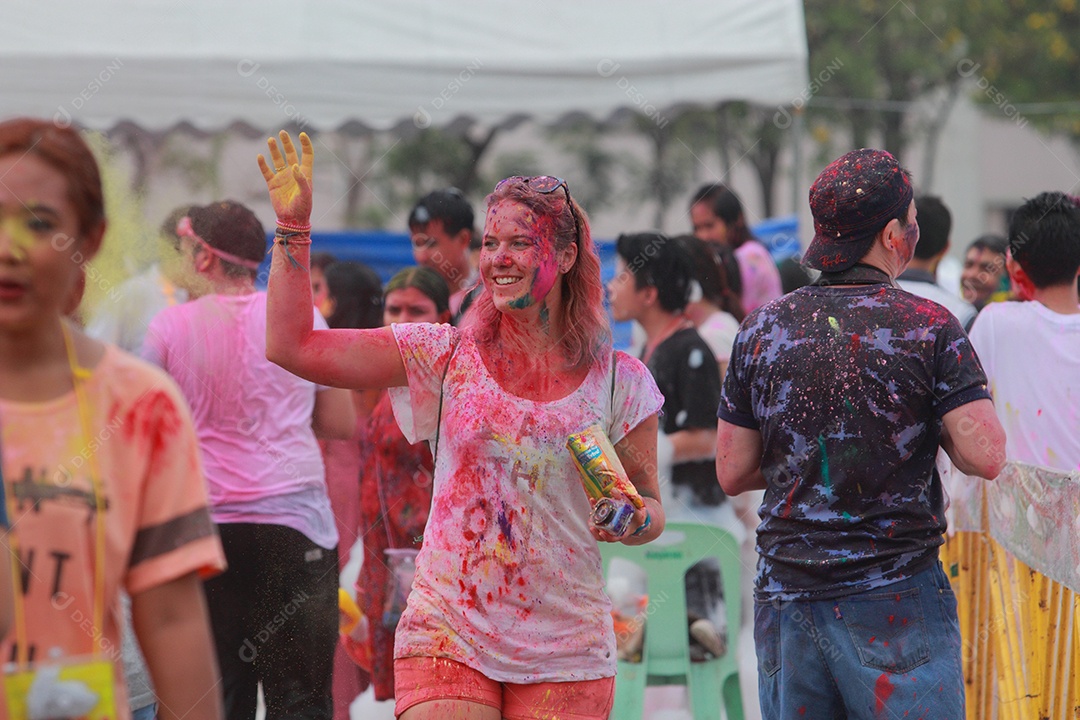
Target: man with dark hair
x: 984, y: 279
x: 653, y: 274
x: 920, y: 278
x: 836, y: 400
x: 652, y: 286
x: 1029, y: 348
x: 441, y: 226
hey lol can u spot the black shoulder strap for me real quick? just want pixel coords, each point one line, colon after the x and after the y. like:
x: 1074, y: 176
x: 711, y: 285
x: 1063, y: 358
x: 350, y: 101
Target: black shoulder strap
x: 442, y: 383
x: 611, y: 404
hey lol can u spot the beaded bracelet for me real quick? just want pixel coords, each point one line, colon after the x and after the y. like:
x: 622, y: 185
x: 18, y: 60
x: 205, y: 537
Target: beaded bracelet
x: 644, y: 526
x: 284, y: 239
x: 284, y: 224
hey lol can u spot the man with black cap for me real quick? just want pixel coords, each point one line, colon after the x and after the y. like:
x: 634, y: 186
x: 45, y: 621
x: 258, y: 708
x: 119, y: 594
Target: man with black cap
x: 836, y: 400
x: 441, y: 229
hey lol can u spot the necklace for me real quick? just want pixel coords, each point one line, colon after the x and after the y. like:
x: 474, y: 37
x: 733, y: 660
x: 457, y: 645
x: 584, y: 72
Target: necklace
x: 79, y: 376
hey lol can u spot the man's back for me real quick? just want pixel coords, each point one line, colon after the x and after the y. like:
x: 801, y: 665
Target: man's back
x: 847, y: 386
x: 253, y: 418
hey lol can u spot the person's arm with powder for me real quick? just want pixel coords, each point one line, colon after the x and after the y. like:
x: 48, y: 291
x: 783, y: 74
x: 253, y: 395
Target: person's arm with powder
x: 356, y: 359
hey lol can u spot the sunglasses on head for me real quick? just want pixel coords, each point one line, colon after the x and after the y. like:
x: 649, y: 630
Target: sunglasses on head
x: 546, y: 184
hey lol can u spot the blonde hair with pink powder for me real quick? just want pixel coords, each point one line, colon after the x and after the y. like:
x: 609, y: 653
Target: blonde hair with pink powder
x: 587, y: 333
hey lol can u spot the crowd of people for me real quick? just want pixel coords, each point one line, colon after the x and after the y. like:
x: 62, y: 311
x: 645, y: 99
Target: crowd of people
x: 179, y: 521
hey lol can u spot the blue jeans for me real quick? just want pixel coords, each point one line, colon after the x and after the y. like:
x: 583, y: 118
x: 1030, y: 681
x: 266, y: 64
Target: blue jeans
x: 892, y: 652
x: 145, y: 713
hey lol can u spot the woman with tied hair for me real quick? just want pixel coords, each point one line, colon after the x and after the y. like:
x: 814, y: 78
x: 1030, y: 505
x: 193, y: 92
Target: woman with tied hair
x: 507, y: 616
x: 717, y: 216
x: 714, y: 307
x: 105, y: 485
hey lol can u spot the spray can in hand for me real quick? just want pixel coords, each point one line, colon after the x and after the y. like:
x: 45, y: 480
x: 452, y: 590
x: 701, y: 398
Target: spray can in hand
x: 612, y: 515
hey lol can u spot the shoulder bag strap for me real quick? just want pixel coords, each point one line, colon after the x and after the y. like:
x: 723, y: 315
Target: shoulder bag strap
x: 438, y: 424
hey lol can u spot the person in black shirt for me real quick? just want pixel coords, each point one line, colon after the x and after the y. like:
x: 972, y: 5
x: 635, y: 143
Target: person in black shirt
x: 836, y: 400
x: 652, y: 286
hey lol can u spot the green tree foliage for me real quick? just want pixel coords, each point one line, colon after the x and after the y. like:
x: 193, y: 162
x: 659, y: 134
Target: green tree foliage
x: 869, y: 61
x: 1022, y: 52
x: 583, y: 141
x: 429, y: 159
x: 504, y: 165
x: 883, y: 56
x: 130, y: 244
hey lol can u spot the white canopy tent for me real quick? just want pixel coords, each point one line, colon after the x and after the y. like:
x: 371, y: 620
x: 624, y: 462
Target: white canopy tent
x: 268, y: 63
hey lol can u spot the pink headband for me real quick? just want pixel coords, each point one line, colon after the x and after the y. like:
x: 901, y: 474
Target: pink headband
x: 184, y: 229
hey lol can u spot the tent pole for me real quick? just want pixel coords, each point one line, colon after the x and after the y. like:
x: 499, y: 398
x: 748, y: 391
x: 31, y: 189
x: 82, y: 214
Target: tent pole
x: 797, y: 170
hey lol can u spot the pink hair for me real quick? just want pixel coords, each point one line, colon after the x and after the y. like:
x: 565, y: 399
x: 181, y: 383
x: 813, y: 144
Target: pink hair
x: 587, y: 338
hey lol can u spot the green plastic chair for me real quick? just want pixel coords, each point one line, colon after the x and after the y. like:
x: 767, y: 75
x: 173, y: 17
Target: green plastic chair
x: 665, y: 658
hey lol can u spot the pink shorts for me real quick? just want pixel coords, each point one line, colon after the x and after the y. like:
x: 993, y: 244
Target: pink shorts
x: 424, y: 679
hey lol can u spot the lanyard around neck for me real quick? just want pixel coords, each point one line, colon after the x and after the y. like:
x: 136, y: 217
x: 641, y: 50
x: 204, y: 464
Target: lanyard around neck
x: 79, y: 375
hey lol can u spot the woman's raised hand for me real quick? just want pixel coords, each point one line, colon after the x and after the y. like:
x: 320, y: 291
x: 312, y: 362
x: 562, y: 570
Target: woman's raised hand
x: 289, y: 182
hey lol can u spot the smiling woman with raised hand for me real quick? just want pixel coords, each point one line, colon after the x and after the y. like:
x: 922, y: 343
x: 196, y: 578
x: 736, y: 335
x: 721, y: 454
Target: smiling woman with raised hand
x: 507, y: 617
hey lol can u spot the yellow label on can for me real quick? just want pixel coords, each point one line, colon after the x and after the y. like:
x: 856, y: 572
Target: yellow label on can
x: 599, y: 465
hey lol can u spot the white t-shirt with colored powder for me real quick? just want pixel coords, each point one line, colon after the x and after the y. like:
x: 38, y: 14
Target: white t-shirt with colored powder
x: 509, y: 579
x: 1031, y: 356
x: 719, y: 331
x: 253, y: 418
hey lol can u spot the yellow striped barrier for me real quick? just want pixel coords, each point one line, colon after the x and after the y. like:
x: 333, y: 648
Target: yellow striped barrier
x: 1013, y: 556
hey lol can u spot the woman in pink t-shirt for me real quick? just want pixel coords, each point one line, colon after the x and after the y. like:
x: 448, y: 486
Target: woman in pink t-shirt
x: 717, y: 215
x: 507, y: 617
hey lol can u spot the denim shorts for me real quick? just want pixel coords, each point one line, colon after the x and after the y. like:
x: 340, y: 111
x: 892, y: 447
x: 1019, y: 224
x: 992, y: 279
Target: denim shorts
x: 892, y: 652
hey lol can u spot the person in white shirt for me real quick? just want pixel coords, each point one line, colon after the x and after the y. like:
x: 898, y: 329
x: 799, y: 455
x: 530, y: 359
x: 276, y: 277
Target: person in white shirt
x: 1029, y: 349
x: 715, y: 306
x: 507, y: 616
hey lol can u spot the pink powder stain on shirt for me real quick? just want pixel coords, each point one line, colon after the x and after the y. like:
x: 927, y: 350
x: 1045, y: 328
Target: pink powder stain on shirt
x: 152, y: 418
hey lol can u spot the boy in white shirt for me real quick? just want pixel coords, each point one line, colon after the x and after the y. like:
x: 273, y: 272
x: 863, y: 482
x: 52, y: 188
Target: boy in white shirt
x: 1030, y: 350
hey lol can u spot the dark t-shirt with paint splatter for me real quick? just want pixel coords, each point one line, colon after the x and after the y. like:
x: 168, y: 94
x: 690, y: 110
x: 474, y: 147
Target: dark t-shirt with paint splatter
x: 847, y: 386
